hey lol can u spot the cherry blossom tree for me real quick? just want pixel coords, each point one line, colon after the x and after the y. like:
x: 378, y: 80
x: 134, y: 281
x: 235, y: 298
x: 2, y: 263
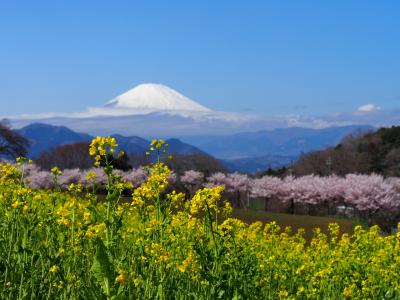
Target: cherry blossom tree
x: 266, y: 187
x: 370, y: 193
x: 40, y: 179
x: 135, y: 176
x: 69, y: 176
x: 368, y: 196
x: 192, y: 180
x: 217, y: 179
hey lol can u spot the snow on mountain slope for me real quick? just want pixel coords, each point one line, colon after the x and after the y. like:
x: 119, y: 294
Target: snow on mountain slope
x: 154, y: 97
x: 149, y: 98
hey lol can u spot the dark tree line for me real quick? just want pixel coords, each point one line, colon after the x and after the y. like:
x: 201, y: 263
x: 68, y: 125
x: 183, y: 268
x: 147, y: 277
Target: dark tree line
x: 374, y: 152
x: 12, y: 144
x: 76, y: 155
x: 70, y: 156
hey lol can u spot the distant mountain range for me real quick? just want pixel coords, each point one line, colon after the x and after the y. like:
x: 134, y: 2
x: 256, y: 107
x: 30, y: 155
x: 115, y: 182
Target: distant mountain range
x: 257, y: 164
x: 44, y: 137
x: 244, y: 152
x: 285, y: 142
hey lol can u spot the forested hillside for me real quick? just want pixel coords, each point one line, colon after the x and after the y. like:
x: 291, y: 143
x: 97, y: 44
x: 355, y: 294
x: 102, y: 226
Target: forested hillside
x: 373, y: 152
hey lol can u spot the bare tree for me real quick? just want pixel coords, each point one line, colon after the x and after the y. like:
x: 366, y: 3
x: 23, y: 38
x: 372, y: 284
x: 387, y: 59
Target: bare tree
x: 68, y: 156
x: 12, y: 144
x: 392, y: 163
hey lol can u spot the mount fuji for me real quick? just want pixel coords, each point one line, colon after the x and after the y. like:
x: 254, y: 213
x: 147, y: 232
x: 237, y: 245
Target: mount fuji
x: 149, y: 98
x: 154, y: 97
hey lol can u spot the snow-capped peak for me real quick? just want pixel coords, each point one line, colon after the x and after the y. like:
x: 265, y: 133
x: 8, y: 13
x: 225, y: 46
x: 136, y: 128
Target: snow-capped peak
x: 154, y: 97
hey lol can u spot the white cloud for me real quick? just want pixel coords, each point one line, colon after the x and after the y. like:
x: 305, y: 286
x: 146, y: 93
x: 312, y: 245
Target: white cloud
x: 367, y: 108
x: 174, y: 124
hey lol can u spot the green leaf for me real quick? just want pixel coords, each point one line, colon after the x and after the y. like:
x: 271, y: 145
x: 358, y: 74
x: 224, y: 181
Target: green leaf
x: 102, y: 269
x: 118, y: 297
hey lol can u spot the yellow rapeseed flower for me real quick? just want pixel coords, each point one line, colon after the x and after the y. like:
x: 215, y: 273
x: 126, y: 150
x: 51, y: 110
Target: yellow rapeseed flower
x: 56, y: 171
x: 16, y: 203
x: 121, y: 279
x: 53, y: 269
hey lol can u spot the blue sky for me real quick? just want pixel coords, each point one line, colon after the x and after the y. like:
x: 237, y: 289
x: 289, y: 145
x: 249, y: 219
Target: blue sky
x: 265, y: 57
